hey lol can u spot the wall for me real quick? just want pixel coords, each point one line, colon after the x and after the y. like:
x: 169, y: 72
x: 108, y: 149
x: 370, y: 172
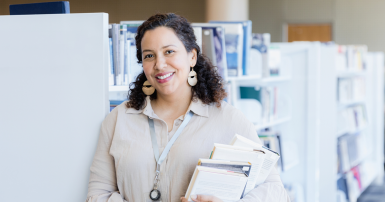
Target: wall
x: 361, y: 22
x: 119, y: 10
x: 353, y: 21
x: 227, y: 10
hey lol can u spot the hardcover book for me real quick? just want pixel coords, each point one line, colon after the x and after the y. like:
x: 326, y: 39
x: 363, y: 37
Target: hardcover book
x: 234, y: 153
x: 270, y: 159
x: 225, y: 185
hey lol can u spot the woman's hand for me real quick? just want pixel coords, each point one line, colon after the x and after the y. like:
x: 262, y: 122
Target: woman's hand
x: 202, y: 198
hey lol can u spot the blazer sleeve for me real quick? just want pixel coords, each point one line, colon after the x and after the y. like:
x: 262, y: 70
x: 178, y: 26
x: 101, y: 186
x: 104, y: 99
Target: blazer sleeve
x: 102, y: 186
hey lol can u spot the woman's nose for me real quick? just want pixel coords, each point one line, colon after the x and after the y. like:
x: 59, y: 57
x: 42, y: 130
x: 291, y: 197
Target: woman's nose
x: 160, y: 63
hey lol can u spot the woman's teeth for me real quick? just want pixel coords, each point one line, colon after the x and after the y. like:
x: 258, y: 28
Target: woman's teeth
x: 164, y: 76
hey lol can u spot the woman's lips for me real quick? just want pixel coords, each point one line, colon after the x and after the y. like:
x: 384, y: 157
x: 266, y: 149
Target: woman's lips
x: 165, y: 79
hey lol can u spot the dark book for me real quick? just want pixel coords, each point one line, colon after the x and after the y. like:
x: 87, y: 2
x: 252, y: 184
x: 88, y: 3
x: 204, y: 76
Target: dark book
x: 57, y: 7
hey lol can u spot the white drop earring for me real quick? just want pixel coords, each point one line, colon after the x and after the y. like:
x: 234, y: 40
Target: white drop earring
x: 147, y: 88
x: 192, y: 78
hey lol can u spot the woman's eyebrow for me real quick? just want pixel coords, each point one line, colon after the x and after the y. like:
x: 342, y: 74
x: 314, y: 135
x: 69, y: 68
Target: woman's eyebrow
x: 146, y: 50
x: 166, y: 46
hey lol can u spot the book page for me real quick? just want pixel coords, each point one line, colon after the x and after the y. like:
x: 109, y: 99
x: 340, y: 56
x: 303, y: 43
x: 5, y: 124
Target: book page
x: 255, y: 158
x: 228, y: 188
x: 269, y: 162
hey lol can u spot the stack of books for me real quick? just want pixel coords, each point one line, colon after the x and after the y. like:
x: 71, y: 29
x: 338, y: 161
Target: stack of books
x: 233, y: 170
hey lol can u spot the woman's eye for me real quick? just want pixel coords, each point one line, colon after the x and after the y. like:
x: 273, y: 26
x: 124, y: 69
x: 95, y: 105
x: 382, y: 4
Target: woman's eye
x: 148, y: 56
x: 169, y: 51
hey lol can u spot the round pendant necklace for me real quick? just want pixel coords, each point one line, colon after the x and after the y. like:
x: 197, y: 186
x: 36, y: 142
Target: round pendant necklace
x: 155, y: 195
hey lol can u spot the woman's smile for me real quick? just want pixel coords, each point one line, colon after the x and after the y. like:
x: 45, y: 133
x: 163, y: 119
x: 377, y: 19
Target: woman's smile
x: 164, y: 77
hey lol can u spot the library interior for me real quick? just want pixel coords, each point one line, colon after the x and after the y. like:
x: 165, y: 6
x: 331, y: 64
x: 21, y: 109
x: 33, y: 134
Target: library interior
x: 287, y: 98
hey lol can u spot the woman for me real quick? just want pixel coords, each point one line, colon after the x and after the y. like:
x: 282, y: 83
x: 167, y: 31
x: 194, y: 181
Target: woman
x: 178, y: 89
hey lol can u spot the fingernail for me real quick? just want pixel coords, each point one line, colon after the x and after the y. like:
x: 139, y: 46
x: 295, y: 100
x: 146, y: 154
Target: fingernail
x: 194, y: 197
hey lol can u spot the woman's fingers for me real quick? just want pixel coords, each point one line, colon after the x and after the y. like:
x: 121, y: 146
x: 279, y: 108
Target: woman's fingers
x: 204, y: 198
x: 183, y: 199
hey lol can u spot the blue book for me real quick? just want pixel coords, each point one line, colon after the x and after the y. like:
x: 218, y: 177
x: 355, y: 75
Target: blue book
x: 247, y: 26
x: 57, y: 7
x: 233, y: 47
x: 219, y: 44
x: 135, y: 68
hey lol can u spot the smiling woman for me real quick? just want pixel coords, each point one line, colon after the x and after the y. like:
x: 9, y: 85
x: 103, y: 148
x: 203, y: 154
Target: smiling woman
x: 166, y: 44
x: 149, y: 146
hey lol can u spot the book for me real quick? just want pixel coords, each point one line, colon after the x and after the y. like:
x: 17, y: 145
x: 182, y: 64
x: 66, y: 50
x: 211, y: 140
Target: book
x: 271, y: 157
x: 272, y: 140
x: 111, y: 79
x: 122, y: 54
x: 267, y: 96
x: 235, y: 166
x: 274, y: 61
x: 225, y: 185
x: 234, y: 47
x: 246, y: 26
x: 208, y: 48
x: 259, y: 55
x: 219, y: 46
x: 115, y: 50
x: 135, y: 68
x: 127, y: 61
x: 234, y: 153
x: 57, y: 7
x: 198, y: 36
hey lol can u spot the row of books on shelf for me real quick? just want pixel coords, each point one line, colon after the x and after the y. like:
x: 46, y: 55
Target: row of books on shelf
x: 230, y: 46
x: 355, y: 181
x: 351, y: 89
x: 351, y: 119
x: 352, y: 150
x: 266, y: 97
x: 351, y: 58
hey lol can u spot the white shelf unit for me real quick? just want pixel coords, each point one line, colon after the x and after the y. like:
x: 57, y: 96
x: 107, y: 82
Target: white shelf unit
x: 54, y: 87
x: 300, y: 128
x: 330, y: 106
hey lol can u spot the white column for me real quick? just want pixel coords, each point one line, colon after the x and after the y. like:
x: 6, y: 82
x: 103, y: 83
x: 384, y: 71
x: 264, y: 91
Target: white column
x: 228, y: 10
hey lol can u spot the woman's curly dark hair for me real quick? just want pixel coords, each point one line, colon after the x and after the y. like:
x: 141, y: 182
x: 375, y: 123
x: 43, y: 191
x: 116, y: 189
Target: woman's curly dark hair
x: 209, y: 88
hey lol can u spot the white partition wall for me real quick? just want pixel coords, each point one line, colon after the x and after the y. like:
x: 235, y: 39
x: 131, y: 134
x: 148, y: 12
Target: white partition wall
x: 54, y: 96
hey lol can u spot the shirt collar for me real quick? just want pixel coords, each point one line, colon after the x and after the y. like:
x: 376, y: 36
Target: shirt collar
x: 196, y: 106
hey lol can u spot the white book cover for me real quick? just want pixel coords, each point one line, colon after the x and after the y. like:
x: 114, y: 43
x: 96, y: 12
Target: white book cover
x: 234, y: 153
x: 270, y: 159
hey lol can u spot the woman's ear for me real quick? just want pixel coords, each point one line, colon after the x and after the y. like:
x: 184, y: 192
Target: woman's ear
x: 193, y: 57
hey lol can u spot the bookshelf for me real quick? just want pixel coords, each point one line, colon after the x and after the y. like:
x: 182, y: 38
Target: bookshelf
x: 342, y: 138
x: 310, y: 111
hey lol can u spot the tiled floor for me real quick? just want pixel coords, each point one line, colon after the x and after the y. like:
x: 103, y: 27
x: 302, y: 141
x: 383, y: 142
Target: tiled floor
x: 373, y: 193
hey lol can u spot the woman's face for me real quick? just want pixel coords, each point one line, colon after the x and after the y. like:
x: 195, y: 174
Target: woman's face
x: 166, y: 63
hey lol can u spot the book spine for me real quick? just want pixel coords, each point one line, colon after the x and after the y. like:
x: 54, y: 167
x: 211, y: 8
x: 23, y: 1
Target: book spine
x: 115, y: 48
x: 246, y: 46
x: 124, y: 54
x: 111, y: 64
x: 127, y: 62
x: 121, y: 56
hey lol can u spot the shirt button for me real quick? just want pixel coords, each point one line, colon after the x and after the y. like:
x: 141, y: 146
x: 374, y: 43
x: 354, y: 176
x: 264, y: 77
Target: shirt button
x: 177, y: 124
